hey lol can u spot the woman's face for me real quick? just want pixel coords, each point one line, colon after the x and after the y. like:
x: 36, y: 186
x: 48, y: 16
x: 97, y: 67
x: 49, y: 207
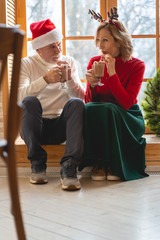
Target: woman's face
x: 107, y: 44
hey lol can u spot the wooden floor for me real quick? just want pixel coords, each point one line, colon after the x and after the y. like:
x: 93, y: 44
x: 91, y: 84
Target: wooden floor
x: 99, y: 211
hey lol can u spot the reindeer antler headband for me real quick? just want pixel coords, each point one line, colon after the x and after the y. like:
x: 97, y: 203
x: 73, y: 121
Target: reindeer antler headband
x: 112, y: 16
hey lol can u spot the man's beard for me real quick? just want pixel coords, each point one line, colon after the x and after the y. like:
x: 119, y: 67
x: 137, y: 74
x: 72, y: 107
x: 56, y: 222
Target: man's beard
x: 55, y: 59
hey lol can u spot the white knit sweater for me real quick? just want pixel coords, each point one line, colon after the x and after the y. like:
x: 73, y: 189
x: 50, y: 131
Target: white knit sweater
x: 52, y: 99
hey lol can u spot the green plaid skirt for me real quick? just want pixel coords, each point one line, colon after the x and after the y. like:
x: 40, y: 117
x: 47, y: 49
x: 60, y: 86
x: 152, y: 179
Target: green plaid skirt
x: 115, y: 136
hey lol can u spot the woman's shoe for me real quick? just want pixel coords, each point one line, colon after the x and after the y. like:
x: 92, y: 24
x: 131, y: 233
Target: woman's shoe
x: 98, y: 174
x: 112, y: 177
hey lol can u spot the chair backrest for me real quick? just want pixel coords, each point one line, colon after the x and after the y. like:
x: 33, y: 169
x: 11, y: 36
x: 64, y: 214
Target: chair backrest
x: 11, y: 42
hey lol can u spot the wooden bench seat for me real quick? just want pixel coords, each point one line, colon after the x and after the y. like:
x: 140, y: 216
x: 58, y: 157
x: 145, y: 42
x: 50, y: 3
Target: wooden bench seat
x: 55, y: 152
x: 152, y: 150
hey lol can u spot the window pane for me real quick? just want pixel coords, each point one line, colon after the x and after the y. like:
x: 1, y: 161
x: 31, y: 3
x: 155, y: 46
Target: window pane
x: 145, y: 49
x: 39, y: 10
x: 30, y: 50
x: 141, y: 94
x: 78, y: 21
x: 82, y: 51
x: 138, y: 16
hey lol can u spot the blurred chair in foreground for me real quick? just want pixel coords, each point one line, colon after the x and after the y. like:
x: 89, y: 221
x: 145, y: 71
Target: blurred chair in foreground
x: 11, y: 41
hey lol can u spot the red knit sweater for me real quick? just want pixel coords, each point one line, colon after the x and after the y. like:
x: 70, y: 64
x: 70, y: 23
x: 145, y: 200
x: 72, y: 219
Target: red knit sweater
x: 121, y: 88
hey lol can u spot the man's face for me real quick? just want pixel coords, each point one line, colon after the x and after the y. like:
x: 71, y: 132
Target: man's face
x: 50, y: 53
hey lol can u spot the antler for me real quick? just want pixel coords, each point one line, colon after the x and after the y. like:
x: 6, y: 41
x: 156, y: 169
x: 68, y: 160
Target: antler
x: 114, y: 14
x: 96, y: 16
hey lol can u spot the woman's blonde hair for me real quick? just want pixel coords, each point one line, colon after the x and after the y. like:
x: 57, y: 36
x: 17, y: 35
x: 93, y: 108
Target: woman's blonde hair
x: 120, y: 35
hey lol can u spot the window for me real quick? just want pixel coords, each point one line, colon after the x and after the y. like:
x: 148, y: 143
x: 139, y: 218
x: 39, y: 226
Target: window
x: 78, y: 29
x: 142, y: 20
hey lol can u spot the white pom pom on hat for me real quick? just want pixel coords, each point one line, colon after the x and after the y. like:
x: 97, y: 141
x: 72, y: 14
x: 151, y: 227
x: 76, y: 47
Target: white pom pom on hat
x: 44, y: 33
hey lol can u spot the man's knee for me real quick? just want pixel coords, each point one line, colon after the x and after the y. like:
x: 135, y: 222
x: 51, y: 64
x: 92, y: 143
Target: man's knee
x: 30, y: 100
x: 77, y: 103
x: 31, y: 103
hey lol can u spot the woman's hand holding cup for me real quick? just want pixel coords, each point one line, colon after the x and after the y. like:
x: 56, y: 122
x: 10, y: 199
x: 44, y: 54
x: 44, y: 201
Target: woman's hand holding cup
x: 91, y: 78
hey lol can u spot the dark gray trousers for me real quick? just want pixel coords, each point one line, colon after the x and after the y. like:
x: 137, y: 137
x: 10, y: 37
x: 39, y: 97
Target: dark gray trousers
x: 37, y: 131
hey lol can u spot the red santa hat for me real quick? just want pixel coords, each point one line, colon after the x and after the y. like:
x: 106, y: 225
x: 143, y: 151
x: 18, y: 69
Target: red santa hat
x: 44, y: 33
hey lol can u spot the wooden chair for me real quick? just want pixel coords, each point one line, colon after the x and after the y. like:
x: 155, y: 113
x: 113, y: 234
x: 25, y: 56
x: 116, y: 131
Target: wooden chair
x: 11, y: 41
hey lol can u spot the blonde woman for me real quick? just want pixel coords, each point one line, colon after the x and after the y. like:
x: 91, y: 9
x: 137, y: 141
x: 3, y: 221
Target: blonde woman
x: 114, y: 124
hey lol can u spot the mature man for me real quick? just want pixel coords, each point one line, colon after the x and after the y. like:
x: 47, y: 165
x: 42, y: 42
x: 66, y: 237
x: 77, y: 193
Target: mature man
x: 51, y: 114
